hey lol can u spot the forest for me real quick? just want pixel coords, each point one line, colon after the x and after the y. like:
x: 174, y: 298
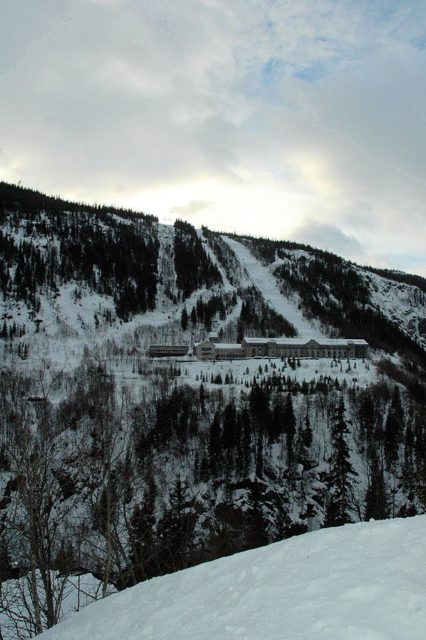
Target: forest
x: 130, y: 483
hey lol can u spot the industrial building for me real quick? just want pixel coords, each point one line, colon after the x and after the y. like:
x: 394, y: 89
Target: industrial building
x: 283, y: 348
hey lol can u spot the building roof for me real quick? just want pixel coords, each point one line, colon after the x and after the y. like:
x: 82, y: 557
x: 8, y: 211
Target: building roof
x: 343, y: 341
x: 228, y: 345
x: 168, y: 346
x: 257, y: 340
x: 324, y: 342
x: 290, y: 342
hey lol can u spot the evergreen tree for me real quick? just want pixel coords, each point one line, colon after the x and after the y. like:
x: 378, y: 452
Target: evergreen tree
x: 256, y: 532
x: 142, y: 536
x: 215, y: 445
x: 229, y: 433
x: 341, y: 475
x: 393, y: 428
x: 184, y: 319
x: 175, y: 531
x: 304, y: 442
x: 276, y: 423
x: 259, y: 406
x: 376, y: 501
x: 259, y: 456
x: 290, y: 426
x: 244, y: 452
x: 367, y: 418
x: 202, y: 397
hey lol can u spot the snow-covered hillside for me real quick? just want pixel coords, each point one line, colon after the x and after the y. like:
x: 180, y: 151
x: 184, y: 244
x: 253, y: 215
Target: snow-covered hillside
x: 399, y: 302
x: 260, y: 276
x: 358, y: 582
x: 155, y: 465
x: 74, y: 276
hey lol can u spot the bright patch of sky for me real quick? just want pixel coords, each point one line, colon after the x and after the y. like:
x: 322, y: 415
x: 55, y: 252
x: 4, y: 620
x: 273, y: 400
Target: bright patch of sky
x: 271, y: 118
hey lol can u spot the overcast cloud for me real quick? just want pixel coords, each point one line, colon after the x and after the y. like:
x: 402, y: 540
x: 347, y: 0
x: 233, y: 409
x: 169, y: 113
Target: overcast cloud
x: 276, y: 118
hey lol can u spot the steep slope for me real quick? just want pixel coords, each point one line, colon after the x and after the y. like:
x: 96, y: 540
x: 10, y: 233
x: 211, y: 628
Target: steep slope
x: 401, y: 303
x: 390, y: 312
x: 359, y: 581
x: 261, y: 277
x: 73, y: 275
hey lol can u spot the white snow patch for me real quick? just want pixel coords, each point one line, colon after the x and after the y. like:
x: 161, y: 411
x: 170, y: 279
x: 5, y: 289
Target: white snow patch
x: 355, y: 373
x: 362, y: 581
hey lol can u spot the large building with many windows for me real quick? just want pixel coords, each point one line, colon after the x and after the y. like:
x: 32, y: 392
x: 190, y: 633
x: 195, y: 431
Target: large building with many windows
x: 305, y: 347
x: 283, y: 348
x: 208, y: 350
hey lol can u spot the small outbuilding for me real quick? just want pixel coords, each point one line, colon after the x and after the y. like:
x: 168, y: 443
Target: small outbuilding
x: 167, y: 350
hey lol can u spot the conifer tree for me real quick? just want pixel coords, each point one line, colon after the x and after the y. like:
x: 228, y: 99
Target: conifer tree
x: 141, y: 535
x: 304, y: 442
x: 393, y: 428
x: 290, y: 426
x: 259, y: 456
x: 367, y: 418
x: 215, y: 445
x: 376, y: 500
x: 275, y: 424
x: 184, y: 319
x: 341, y: 475
x: 175, y: 531
x: 256, y: 534
x: 244, y: 452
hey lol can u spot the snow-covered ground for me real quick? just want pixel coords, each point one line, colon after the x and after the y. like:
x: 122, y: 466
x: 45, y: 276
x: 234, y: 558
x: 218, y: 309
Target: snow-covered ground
x: 353, y: 373
x: 261, y: 277
x: 78, y: 592
x: 359, y: 582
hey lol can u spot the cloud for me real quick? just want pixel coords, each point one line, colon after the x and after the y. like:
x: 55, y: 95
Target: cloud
x: 328, y: 237
x: 193, y: 206
x: 281, y: 116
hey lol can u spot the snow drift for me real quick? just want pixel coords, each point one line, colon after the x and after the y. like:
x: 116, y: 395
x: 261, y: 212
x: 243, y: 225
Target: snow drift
x: 359, y: 582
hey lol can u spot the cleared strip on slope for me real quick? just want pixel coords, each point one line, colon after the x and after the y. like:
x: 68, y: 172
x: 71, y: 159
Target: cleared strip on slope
x: 262, y: 279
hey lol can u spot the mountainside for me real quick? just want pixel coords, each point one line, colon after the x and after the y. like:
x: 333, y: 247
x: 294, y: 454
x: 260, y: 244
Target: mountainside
x: 75, y: 270
x: 360, y: 581
x: 130, y: 467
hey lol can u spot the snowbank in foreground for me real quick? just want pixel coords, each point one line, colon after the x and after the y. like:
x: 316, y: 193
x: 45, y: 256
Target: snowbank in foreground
x: 359, y: 582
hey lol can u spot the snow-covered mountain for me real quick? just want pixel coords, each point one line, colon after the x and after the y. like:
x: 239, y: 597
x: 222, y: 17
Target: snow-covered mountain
x: 356, y: 582
x: 142, y: 467
x: 76, y: 275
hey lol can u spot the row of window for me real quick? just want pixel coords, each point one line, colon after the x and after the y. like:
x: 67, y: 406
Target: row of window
x: 318, y: 353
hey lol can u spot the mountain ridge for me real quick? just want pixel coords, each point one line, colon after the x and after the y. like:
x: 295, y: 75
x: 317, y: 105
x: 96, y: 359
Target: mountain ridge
x: 79, y: 250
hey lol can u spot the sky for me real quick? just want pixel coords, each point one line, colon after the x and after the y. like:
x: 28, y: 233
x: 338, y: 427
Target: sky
x: 288, y: 119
